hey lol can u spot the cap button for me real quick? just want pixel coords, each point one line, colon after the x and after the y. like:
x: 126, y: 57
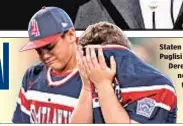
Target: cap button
x: 43, y: 7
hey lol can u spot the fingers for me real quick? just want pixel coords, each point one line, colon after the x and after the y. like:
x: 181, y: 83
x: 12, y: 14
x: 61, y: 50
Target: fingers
x: 88, y: 59
x: 80, y: 49
x: 113, y: 64
x: 85, y: 63
x: 101, y: 58
x: 94, y: 58
x: 79, y: 53
x: 79, y: 60
x: 93, y: 61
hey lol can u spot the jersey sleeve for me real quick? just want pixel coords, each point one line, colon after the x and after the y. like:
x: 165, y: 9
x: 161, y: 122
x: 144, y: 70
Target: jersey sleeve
x: 21, y: 112
x: 147, y: 110
x: 148, y: 96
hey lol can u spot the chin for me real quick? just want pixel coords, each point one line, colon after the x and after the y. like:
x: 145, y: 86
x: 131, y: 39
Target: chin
x: 57, y: 67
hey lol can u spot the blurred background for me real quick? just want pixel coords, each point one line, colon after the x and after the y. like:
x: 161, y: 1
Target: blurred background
x: 146, y: 48
x: 149, y: 50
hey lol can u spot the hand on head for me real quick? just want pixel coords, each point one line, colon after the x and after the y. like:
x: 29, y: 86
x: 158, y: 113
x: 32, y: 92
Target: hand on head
x: 94, y: 67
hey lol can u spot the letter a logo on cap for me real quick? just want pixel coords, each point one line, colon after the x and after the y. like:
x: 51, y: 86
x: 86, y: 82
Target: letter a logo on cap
x: 34, y: 28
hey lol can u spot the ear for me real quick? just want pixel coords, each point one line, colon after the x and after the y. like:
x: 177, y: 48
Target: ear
x: 72, y: 35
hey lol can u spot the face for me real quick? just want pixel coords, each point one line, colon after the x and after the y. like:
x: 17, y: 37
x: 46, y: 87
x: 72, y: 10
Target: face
x: 59, y: 54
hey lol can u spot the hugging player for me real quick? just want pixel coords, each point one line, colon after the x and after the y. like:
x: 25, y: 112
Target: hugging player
x: 119, y: 87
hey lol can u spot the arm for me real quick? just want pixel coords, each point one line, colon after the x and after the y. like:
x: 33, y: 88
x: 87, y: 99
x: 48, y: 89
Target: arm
x: 17, y: 115
x: 114, y: 113
x: 83, y: 113
x: 21, y: 113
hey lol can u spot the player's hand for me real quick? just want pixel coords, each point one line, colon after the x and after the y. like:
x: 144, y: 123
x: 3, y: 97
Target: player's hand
x: 80, y: 58
x: 96, y: 67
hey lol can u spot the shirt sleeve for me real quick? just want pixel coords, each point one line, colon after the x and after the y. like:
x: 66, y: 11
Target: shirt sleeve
x: 21, y: 112
x: 148, y: 110
x: 147, y: 95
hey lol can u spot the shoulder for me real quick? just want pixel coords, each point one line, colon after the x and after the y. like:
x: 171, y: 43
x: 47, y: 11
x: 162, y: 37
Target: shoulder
x: 35, y: 69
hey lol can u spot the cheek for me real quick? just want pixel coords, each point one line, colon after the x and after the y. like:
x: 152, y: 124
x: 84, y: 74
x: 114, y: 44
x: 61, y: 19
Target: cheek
x: 62, y: 51
x: 62, y: 54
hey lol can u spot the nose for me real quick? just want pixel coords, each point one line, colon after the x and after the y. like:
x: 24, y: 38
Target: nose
x: 43, y: 53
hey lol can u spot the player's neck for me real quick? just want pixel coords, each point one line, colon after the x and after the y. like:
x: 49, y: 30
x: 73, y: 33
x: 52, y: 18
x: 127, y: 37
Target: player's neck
x: 59, y: 74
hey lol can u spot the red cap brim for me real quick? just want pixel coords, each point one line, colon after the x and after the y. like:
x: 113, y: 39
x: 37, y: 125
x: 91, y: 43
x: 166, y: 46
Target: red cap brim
x: 40, y: 43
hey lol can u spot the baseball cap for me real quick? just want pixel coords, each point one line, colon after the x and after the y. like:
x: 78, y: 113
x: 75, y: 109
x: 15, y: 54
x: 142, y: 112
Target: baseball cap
x: 45, y: 26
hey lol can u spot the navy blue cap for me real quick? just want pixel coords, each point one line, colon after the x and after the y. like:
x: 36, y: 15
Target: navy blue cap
x: 46, y: 25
